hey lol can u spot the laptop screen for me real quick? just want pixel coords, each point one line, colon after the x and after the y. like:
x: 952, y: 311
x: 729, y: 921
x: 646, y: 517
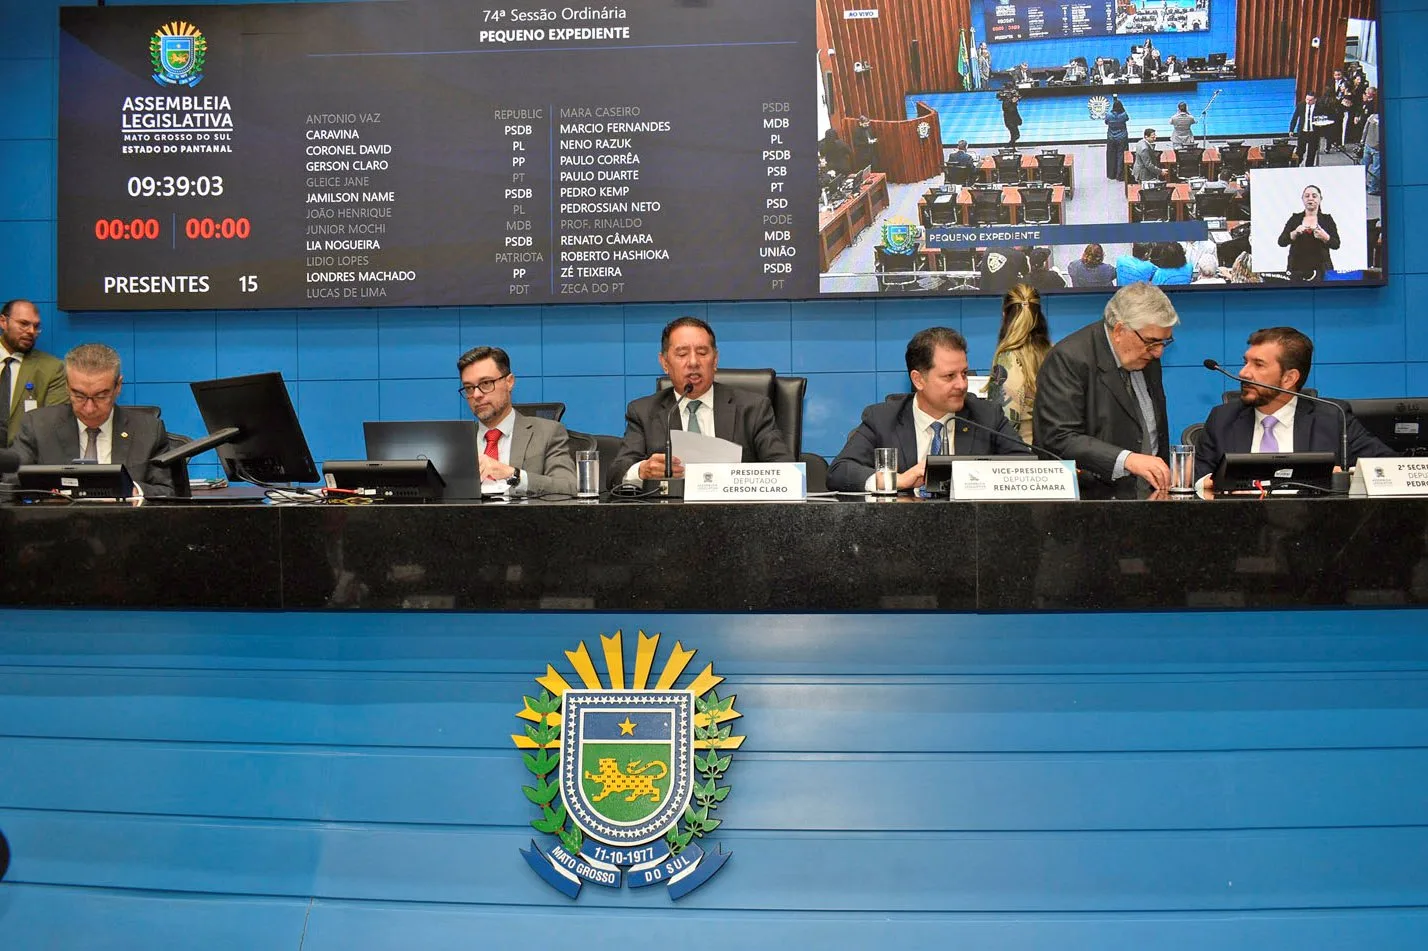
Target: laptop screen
x: 451, y: 445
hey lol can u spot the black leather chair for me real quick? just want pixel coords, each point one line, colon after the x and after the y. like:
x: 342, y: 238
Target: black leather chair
x: 178, y: 469
x: 1279, y: 155
x: 582, y: 441
x: 551, y: 411
x: 1212, y: 204
x: 785, y: 392
x: 959, y: 175
x: 816, y: 468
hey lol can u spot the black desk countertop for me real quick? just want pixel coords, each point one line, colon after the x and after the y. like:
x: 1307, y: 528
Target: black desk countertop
x: 814, y: 556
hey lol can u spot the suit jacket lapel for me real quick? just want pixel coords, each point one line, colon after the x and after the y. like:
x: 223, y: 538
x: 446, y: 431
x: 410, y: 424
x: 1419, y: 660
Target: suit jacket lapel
x: 1304, y: 426
x: 1241, y: 435
x: 1115, y: 380
x: 121, y: 442
x: 520, y: 440
x: 723, y: 413
x: 69, y: 437
x: 907, y: 437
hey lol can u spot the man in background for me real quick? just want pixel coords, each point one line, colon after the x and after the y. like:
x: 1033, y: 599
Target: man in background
x: 1301, y: 125
x: 90, y: 426
x: 1145, y: 156
x: 520, y: 455
x: 1099, y: 398
x: 29, y: 378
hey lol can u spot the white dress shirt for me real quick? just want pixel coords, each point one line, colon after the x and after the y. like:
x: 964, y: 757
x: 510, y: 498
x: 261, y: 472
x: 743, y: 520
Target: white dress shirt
x: 104, y: 441
x: 922, y: 428
x: 1283, y: 429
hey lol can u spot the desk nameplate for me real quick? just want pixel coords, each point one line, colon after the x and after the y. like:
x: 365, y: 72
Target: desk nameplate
x: 1394, y: 477
x: 983, y: 480
x: 745, y: 482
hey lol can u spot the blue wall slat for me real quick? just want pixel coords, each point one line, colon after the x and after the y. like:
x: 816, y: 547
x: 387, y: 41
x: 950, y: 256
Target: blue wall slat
x: 975, y: 792
x: 1077, y: 872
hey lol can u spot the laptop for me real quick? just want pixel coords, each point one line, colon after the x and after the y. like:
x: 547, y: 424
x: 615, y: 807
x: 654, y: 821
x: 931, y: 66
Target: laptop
x: 1304, y: 472
x: 450, y: 445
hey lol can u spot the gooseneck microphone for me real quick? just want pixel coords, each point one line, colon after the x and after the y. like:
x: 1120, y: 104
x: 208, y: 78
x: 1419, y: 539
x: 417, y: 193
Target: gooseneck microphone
x: 669, y: 433
x: 1000, y: 435
x: 1343, y: 413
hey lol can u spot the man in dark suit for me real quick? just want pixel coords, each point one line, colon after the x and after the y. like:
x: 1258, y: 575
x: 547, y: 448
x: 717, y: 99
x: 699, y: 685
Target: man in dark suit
x: 931, y: 421
x: 1265, y: 421
x: 1099, y: 398
x: 689, y: 355
x: 521, y: 455
x: 1301, y: 125
x: 92, y: 427
x: 29, y: 378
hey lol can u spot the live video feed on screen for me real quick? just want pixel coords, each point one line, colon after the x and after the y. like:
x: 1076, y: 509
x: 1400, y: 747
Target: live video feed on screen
x: 1084, y: 146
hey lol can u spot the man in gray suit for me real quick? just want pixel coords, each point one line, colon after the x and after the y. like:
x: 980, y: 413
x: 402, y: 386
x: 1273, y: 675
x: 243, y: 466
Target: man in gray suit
x: 1099, y: 398
x: 522, y: 455
x: 92, y: 427
x: 695, y: 403
x: 1145, y: 165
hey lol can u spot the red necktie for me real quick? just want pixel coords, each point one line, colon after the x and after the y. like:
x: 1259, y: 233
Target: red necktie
x: 493, y: 436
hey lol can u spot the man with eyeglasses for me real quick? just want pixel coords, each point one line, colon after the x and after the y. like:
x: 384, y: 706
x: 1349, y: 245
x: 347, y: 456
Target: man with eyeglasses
x: 91, y: 427
x: 1099, y: 398
x: 29, y: 378
x: 520, y: 455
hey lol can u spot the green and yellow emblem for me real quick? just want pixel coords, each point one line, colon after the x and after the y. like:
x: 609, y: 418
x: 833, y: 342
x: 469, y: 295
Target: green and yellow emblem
x: 627, y: 769
x: 177, y: 51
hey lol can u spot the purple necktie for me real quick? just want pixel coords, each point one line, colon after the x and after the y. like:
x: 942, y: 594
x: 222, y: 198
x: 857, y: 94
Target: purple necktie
x: 1268, y: 443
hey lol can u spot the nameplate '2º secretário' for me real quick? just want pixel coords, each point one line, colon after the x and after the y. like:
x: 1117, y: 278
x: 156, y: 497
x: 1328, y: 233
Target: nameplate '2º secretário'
x: 627, y: 771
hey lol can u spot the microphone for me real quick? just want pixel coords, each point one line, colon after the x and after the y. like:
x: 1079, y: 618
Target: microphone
x: 1343, y: 413
x: 1001, y: 435
x: 669, y: 433
x: 9, y: 461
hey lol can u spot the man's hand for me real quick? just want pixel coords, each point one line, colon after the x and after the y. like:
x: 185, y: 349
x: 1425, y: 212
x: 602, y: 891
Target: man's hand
x: 653, y: 467
x: 493, y: 470
x: 1150, y: 468
x: 913, y: 478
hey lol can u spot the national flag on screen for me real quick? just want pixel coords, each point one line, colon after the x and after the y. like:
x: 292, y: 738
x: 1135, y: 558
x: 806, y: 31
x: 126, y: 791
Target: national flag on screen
x: 964, y: 66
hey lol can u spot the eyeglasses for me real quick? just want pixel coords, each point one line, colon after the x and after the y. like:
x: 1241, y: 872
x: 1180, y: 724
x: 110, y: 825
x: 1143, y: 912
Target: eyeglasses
x: 1152, y: 344
x: 468, y: 390
x: 79, y: 399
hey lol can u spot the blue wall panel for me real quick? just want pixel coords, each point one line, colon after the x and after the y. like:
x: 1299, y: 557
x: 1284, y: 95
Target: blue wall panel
x: 1226, y: 780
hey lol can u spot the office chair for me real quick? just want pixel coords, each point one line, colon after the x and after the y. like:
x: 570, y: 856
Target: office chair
x: 1234, y: 160
x: 896, y: 272
x: 785, y: 392
x: 1154, y: 204
x: 1279, y: 155
x: 960, y: 175
x: 1212, y: 204
x: 178, y: 469
x: 551, y: 411
x: 1036, y: 205
x: 1187, y: 162
x: 987, y: 206
x: 1051, y: 167
x: 1191, y: 435
x: 1008, y: 169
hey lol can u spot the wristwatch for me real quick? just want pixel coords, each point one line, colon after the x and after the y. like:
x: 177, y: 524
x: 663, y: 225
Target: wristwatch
x: 515, y: 478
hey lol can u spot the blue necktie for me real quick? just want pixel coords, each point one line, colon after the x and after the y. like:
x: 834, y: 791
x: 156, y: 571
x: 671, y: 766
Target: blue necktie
x: 936, y: 449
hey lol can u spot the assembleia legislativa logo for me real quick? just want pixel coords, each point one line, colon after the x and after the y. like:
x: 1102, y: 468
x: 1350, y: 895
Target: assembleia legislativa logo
x: 627, y: 770
x: 177, y: 51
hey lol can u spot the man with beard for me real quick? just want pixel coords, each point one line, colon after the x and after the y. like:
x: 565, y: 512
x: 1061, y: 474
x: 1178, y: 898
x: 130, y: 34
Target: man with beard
x: 29, y: 378
x: 521, y: 454
x: 1266, y: 421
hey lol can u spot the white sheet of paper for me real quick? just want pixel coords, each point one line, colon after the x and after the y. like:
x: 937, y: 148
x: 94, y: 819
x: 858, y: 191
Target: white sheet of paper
x: 697, y: 447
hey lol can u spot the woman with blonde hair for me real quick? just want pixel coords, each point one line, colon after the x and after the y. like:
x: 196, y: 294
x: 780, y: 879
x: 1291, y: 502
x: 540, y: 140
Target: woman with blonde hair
x: 1022, y: 345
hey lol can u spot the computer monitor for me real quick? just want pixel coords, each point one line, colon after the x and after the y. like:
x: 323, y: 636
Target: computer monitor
x: 1241, y: 472
x: 450, y: 444
x: 251, y: 421
x: 1196, y: 63
x: 1218, y: 60
x: 77, y: 481
x: 1400, y: 423
x: 396, y: 480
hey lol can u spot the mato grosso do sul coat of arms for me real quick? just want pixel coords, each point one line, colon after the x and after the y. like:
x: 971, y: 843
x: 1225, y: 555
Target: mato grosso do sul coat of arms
x: 627, y: 771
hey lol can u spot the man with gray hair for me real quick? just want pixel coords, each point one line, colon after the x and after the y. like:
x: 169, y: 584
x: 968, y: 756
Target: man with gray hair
x: 1099, y: 398
x: 91, y: 427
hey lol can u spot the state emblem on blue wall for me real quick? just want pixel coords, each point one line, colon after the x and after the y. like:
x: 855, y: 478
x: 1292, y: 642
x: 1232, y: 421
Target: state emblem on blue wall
x: 628, y: 770
x: 900, y: 237
x: 177, y: 51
